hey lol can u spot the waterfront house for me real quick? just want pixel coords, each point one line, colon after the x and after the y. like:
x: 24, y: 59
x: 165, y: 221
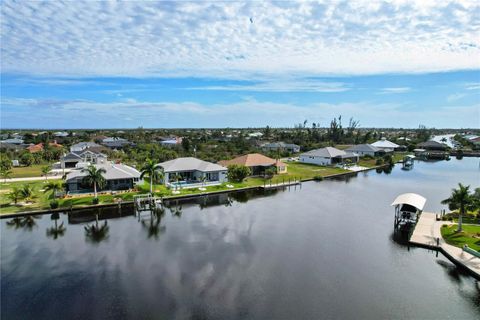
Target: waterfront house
x: 365, y: 150
x: 117, y: 176
x: 89, y: 155
x: 281, y: 146
x: 258, y: 163
x: 190, y: 171
x: 328, y: 156
x: 385, y: 145
x: 432, y: 146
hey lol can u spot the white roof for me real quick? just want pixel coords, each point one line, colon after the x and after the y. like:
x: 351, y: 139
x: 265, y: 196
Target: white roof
x: 113, y: 171
x: 190, y: 164
x: 412, y: 199
x: 385, y: 144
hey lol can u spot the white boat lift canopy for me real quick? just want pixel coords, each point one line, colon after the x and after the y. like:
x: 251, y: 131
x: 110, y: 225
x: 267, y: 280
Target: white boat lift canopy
x: 412, y: 199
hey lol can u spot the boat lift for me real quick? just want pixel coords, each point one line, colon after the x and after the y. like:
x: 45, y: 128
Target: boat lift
x: 408, y: 207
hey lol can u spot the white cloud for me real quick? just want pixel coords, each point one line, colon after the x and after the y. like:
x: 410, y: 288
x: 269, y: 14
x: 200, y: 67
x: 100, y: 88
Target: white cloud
x: 273, y: 85
x: 455, y: 97
x: 396, y: 90
x: 473, y: 86
x: 217, y: 39
x: 33, y: 113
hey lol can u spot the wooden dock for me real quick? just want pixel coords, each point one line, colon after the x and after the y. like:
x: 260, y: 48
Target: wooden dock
x: 427, y: 235
x: 267, y: 186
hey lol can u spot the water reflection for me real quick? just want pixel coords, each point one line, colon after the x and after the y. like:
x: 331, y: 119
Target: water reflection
x: 56, y: 231
x: 26, y: 222
x: 152, y: 225
x: 175, y: 208
x: 96, y: 233
x: 273, y: 254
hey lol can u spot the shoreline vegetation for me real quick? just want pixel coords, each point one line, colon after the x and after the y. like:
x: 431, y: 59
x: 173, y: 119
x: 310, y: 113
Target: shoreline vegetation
x: 470, y: 235
x: 42, y: 198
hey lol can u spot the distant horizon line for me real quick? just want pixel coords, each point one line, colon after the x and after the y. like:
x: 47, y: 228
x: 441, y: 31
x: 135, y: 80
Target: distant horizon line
x: 220, y: 128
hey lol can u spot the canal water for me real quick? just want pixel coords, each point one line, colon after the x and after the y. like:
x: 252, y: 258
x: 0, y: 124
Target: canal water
x: 322, y: 250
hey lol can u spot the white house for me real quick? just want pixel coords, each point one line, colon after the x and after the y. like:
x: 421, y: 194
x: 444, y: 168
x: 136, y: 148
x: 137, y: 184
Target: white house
x: 385, y: 145
x: 117, y: 176
x: 327, y: 156
x: 365, y: 150
x: 190, y: 171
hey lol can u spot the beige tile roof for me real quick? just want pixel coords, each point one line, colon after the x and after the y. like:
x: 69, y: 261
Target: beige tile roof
x: 252, y: 160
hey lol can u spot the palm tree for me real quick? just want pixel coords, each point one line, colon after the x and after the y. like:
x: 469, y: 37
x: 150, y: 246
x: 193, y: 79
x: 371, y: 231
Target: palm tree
x: 56, y: 230
x: 460, y: 199
x: 27, y: 192
x: 53, y: 186
x: 5, y: 173
x: 45, y: 171
x: 150, y: 169
x: 94, y: 178
x: 15, y: 195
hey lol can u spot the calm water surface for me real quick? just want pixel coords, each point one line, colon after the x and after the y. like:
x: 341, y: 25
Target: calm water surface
x: 324, y: 250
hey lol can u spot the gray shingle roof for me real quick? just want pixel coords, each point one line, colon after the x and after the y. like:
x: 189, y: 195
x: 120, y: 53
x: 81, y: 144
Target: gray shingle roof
x: 363, y: 148
x: 328, y: 152
x: 114, y: 171
x: 190, y: 164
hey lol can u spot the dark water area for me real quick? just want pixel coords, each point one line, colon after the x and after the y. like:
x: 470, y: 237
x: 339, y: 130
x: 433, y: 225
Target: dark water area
x: 322, y: 250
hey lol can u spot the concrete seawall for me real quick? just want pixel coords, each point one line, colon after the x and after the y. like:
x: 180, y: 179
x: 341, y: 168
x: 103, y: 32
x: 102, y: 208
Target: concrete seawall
x: 427, y: 234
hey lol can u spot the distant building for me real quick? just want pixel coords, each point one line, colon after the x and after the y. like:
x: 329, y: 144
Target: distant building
x: 117, y: 176
x: 61, y: 134
x: 385, y: 145
x: 116, y: 143
x: 258, y: 163
x: 432, y: 146
x: 72, y: 159
x: 34, y: 148
x: 255, y: 135
x: 327, y: 156
x: 77, y: 147
x: 366, y: 150
x: 13, y: 141
x: 11, y: 147
x: 171, y: 142
x: 282, y: 146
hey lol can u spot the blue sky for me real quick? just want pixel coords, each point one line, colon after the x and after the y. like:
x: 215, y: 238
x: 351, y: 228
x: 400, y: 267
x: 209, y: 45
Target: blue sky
x: 235, y: 64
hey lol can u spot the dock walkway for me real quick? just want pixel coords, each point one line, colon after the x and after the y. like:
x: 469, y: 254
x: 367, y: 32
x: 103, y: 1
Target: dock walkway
x: 279, y: 185
x: 426, y: 233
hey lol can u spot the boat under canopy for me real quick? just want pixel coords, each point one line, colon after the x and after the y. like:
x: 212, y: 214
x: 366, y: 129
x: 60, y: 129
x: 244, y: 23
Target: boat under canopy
x: 407, y: 208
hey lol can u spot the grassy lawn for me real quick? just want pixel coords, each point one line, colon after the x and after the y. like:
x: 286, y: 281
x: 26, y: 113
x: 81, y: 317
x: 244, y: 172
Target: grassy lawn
x: 298, y: 171
x: 470, y: 236
x: 41, y: 200
x: 25, y: 172
x: 369, y: 163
